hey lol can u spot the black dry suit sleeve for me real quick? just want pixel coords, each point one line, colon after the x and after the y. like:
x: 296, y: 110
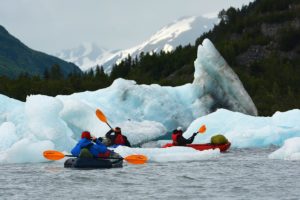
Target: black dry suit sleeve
x: 127, y: 143
x: 182, y: 141
x: 191, y: 139
x: 108, y: 134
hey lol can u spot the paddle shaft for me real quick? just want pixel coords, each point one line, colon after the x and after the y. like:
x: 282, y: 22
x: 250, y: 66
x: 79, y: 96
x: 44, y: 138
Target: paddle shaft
x: 109, y: 125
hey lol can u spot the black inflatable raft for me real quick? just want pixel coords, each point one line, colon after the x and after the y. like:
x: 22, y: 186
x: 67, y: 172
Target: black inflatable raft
x: 93, y: 163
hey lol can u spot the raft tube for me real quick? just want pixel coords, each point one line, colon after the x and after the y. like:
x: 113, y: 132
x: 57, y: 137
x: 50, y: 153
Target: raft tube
x: 93, y: 163
x: 207, y: 146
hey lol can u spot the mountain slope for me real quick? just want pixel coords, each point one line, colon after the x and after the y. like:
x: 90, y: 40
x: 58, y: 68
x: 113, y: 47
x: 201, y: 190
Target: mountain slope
x: 179, y: 32
x: 17, y: 58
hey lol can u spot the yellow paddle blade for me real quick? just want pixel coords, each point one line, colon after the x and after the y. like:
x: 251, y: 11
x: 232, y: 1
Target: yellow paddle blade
x: 101, y: 116
x: 53, y: 155
x: 202, y: 129
x: 136, y: 159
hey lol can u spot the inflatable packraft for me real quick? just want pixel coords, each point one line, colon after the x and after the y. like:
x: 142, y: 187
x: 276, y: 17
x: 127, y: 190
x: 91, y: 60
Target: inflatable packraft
x: 202, y: 147
x: 93, y: 163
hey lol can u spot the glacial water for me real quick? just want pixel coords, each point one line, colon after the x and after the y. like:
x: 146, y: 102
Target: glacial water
x: 238, y: 174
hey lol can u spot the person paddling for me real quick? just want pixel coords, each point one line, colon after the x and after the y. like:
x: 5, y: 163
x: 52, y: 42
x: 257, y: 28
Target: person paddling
x: 179, y: 140
x: 117, y: 138
x: 89, y: 146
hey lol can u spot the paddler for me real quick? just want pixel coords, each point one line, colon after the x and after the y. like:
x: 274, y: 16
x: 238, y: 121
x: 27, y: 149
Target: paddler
x: 89, y: 146
x: 179, y: 140
x: 117, y: 138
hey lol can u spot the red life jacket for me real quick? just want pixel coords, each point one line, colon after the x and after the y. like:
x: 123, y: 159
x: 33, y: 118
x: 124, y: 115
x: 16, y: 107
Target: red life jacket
x: 174, y: 138
x: 104, y: 155
x: 119, y: 139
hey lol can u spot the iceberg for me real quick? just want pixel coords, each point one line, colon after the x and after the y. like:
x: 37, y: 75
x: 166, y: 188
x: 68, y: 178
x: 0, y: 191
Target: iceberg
x: 173, y: 154
x: 244, y: 131
x: 219, y: 83
x: 144, y: 112
x: 289, y: 151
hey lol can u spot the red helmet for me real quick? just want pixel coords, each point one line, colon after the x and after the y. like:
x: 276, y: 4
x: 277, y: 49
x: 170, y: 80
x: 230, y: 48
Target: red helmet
x: 86, y: 134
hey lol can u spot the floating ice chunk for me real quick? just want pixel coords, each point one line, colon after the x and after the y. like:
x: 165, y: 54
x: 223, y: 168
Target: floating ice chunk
x: 172, y: 154
x: 27, y: 150
x: 289, y: 151
x: 247, y: 131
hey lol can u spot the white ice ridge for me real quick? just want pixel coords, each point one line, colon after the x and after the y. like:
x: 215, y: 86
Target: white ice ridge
x: 144, y: 112
x: 289, y: 151
x: 172, y: 154
x: 219, y: 82
x: 245, y: 131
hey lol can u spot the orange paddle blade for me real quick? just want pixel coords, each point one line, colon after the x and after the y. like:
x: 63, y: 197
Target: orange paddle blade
x: 136, y: 159
x: 101, y: 116
x: 53, y: 155
x: 202, y: 129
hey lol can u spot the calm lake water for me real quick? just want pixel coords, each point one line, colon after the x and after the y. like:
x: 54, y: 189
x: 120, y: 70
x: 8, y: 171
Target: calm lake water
x: 238, y: 174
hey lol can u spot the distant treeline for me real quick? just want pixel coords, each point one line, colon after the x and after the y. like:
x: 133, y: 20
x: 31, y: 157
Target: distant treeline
x: 53, y: 83
x: 261, y: 42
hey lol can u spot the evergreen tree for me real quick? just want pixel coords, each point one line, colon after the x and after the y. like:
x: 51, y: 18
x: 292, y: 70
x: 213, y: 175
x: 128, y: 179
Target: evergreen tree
x: 55, y: 72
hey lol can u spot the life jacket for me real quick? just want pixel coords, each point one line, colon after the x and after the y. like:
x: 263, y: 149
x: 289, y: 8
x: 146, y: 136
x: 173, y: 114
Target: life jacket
x: 175, y: 135
x: 104, y: 155
x: 97, y: 150
x: 119, y: 139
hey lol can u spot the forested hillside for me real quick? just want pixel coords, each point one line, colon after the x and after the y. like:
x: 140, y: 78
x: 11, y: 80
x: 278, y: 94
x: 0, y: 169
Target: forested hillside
x: 16, y: 59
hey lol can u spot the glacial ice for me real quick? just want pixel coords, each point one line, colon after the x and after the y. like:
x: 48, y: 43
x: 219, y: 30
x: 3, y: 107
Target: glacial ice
x: 219, y: 82
x: 248, y: 131
x: 144, y: 112
x: 289, y: 151
x: 173, y: 154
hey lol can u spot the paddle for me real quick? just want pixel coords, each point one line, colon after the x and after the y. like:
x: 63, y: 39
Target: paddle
x: 102, y: 117
x: 132, y: 159
x: 202, y: 129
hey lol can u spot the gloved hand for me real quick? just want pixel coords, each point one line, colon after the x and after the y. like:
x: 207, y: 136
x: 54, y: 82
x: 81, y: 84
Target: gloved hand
x: 93, y: 138
x: 194, y: 134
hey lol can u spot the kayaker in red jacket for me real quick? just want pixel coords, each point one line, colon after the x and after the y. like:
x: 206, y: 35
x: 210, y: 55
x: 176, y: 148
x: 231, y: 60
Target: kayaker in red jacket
x: 117, y: 138
x: 179, y: 140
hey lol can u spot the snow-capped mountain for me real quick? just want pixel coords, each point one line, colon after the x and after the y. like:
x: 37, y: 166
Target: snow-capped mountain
x: 86, y: 55
x: 180, y: 32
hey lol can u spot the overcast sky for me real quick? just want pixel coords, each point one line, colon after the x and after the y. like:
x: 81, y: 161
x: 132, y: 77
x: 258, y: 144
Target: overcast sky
x: 53, y: 25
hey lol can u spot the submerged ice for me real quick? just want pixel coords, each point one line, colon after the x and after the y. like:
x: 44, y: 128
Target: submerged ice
x: 144, y: 112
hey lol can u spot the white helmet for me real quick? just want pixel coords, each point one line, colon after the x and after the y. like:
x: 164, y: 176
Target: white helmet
x: 179, y: 128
